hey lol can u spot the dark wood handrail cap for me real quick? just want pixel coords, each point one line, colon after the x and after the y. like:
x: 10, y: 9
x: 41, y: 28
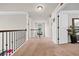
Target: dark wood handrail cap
x: 13, y: 30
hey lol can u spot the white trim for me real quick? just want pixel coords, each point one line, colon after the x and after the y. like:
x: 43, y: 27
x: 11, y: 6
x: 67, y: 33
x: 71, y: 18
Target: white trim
x: 11, y: 12
x: 57, y: 9
x: 71, y: 11
x: 18, y: 48
x: 27, y: 18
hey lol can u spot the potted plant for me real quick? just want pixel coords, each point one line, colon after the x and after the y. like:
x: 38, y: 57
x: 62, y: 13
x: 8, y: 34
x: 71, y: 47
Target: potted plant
x: 71, y: 32
x: 39, y: 32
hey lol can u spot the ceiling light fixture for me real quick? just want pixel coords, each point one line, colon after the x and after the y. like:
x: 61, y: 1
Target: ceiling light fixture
x: 39, y: 7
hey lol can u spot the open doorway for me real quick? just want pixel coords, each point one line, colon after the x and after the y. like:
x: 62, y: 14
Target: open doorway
x: 40, y: 29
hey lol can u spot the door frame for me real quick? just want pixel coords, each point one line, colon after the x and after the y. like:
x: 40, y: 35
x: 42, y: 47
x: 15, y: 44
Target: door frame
x: 73, y: 19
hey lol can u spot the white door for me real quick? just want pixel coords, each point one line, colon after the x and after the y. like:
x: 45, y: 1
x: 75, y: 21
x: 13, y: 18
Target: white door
x: 63, y: 26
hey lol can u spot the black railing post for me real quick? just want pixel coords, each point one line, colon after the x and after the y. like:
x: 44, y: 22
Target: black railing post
x: 6, y: 43
x: 12, y: 42
x: 16, y: 40
x: 2, y: 43
x: 9, y: 42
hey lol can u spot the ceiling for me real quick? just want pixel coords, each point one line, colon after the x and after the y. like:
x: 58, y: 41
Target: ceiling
x: 71, y: 6
x: 30, y: 8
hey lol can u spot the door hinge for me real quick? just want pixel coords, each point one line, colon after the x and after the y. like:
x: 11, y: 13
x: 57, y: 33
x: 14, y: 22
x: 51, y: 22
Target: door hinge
x: 58, y: 27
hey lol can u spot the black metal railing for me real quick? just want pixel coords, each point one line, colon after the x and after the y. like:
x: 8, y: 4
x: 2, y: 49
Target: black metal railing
x: 10, y: 40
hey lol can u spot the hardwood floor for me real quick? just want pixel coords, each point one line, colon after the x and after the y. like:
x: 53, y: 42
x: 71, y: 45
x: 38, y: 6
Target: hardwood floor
x: 45, y: 47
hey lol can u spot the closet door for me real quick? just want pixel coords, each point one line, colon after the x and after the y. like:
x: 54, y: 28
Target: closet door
x: 63, y: 26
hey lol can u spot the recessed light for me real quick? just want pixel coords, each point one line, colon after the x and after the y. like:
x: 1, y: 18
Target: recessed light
x: 39, y: 7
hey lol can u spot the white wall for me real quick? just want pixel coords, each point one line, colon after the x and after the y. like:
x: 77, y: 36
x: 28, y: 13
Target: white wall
x: 12, y: 21
x: 54, y: 29
x: 29, y: 27
x: 48, y: 29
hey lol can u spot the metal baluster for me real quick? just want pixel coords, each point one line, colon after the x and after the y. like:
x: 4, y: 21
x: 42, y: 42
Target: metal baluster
x: 25, y: 36
x: 6, y: 43
x: 16, y: 40
x: 9, y: 42
x: 21, y: 38
x: 2, y: 43
x: 12, y: 42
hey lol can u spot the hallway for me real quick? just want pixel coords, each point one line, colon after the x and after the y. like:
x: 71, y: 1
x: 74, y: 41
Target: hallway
x: 45, y: 47
x: 22, y: 25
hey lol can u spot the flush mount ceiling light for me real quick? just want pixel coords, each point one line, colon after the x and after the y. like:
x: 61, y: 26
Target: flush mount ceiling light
x: 39, y: 7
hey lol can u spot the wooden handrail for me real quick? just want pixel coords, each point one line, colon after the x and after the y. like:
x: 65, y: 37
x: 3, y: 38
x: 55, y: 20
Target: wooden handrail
x: 13, y: 30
